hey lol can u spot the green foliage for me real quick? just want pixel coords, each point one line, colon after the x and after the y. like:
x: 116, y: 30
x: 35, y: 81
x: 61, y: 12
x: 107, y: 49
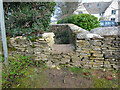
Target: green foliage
x: 84, y: 21
x: 101, y: 18
x: 28, y: 19
x: 103, y: 83
x: 119, y: 23
x: 74, y: 69
x: 18, y: 65
x: 61, y: 36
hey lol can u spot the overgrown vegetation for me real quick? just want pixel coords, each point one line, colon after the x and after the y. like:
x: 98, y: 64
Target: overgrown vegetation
x: 28, y: 19
x: 61, y: 36
x: 18, y: 65
x: 84, y: 21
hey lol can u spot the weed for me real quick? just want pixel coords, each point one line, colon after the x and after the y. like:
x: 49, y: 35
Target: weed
x: 103, y: 83
x: 17, y: 67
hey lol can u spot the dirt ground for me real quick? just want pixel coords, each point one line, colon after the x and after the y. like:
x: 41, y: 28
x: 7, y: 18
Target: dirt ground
x: 62, y: 48
x: 65, y: 78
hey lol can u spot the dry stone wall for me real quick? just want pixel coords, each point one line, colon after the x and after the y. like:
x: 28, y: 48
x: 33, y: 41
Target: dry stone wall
x: 90, y: 50
x: 93, y: 50
x: 38, y: 49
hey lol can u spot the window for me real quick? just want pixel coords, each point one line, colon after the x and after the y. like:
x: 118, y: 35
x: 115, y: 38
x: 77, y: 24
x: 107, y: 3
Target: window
x: 80, y: 12
x: 113, y: 12
x: 99, y: 5
x: 101, y: 23
x: 112, y: 19
x: 101, y: 14
x: 108, y: 23
x: 89, y: 5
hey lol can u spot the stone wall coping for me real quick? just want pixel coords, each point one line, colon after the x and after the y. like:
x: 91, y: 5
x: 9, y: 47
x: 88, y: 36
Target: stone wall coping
x: 82, y: 33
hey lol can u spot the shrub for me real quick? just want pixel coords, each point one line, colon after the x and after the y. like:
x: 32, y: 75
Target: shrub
x: 119, y: 23
x: 28, y: 19
x: 84, y: 21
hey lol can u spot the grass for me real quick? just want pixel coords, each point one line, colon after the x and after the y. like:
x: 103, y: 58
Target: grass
x: 32, y: 79
x: 24, y: 72
x: 97, y: 82
x: 103, y: 83
x: 18, y: 66
x: 0, y: 72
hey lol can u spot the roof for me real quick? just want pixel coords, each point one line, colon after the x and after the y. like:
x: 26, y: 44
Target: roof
x: 92, y: 7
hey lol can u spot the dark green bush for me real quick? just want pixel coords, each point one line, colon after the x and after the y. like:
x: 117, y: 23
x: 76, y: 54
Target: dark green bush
x: 119, y: 23
x: 28, y: 19
x: 84, y: 21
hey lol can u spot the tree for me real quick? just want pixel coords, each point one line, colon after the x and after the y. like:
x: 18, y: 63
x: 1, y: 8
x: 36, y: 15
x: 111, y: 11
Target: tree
x: 64, y: 9
x: 27, y: 18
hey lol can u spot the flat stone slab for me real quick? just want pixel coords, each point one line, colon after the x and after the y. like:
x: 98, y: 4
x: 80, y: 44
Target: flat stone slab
x: 106, y: 31
x: 62, y: 48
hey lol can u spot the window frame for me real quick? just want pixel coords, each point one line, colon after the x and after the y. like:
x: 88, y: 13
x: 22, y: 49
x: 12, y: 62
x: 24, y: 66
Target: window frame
x: 112, y: 19
x: 89, y: 5
x: 80, y: 12
x: 113, y: 12
x: 99, y: 5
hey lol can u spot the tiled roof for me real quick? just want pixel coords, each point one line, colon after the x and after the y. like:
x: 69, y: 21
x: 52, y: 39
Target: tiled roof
x: 96, y: 7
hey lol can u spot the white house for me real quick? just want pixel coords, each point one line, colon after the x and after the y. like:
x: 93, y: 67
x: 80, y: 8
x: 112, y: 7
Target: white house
x: 102, y: 10
x: 119, y: 11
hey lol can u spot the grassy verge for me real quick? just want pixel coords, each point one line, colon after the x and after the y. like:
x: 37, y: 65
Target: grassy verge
x: 18, y: 66
x: 98, y: 82
x: 33, y: 78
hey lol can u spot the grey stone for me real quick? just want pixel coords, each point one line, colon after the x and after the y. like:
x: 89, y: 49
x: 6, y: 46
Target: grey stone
x: 92, y: 35
x: 82, y: 34
x: 49, y: 64
x: 106, y: 31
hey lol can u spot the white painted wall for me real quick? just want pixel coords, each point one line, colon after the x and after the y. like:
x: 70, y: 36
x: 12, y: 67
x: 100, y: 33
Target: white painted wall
x: 108, y: 13
x: 96, y: 15
x: 119, y: 11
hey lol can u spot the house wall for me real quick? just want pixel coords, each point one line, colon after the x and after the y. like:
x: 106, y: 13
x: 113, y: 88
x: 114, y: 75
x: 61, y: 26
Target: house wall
x: 113, y: 6
x: 107, y: 15
x: 119, y: 11
x: 96, y: 15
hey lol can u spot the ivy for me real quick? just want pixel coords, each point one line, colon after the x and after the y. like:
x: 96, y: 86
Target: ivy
x: 27, y: 18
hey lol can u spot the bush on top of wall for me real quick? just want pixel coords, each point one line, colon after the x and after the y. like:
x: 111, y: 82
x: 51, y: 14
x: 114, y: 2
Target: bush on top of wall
x: 84, y: 21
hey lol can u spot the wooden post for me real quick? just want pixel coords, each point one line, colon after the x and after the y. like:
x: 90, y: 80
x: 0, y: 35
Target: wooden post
x: 3, y: 33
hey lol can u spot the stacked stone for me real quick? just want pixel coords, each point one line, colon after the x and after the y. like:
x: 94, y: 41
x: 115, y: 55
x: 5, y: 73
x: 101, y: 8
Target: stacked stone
x: 41, y: 50
x: 19, y: 43
x: 96, y: 55
x: 83, y: 51
x: 111, y: 51
x: 89, y: 52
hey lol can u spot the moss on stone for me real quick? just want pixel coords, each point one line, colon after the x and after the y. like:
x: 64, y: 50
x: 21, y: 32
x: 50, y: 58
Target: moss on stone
x: 33, y: 46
